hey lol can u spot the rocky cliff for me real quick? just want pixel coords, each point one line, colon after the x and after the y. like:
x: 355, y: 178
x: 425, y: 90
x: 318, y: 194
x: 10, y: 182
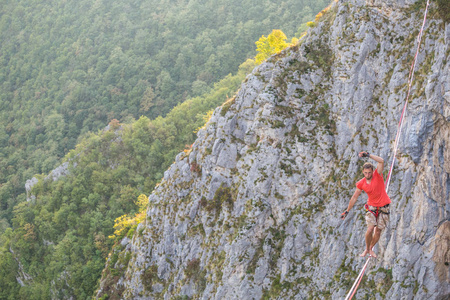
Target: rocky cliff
x: 253, y: 210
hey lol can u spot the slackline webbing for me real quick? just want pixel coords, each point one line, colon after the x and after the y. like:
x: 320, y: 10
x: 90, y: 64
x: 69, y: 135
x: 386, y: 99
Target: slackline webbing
x: 357, y: 281
x: 397, y: 138
x: 410, y: 80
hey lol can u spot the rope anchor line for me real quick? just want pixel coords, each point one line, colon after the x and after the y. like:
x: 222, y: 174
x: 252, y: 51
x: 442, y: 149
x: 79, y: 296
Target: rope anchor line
x: 357, y: 281
x: 397, y: 138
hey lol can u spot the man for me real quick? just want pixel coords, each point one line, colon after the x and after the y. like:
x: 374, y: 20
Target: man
x: 377, y: 206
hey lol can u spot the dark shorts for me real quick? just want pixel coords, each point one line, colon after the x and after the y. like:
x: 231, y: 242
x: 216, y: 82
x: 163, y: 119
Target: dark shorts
x: 381, y: 221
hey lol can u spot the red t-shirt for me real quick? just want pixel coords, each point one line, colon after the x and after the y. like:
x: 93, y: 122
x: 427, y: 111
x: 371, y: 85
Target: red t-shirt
x: 375, y: 190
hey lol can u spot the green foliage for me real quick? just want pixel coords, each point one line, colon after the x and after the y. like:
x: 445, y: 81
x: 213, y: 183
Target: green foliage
x: 444, y: 10
x: 276, y: 288
x: 321, y: 55
x: 149, y: 277
x: 277, y: 243
x: 104, y: 297
x: 259, y: 252
x: 272, y: 44
x: 8, y: 269
x: 219, y: 261
x: 223, y: 195
x: 226, y: 106
x: 345, y: 274
x: 183, y: 297
x: 384, y: 282
x: 126, y: 224
x: 192, y: 268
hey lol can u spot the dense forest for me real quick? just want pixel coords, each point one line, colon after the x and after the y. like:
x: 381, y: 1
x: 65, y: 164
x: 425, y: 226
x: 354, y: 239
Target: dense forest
x: 68, y: 69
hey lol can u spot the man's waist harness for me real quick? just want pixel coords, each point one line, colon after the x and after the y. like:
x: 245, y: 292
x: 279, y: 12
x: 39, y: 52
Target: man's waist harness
x: 378, y: 210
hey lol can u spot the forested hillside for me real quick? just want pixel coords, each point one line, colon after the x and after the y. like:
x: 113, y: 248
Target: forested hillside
x: 70, y: 67
x: 61, y: 237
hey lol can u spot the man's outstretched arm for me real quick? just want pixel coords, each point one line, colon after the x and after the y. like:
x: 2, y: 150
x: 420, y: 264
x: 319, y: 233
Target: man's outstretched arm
x: 352, y: 202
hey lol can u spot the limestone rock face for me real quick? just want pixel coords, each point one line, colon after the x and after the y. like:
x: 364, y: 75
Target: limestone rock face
x: 28, y: 186
x: 253, y: 210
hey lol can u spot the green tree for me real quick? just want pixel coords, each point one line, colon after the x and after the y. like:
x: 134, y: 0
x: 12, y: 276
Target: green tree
x: 272, y: 44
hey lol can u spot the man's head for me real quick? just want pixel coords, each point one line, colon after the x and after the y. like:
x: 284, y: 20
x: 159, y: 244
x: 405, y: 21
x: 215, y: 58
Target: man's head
x: 368, y: 170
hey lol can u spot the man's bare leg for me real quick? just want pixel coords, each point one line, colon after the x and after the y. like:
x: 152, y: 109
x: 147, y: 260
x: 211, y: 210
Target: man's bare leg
x: 375, y: 238
x: 369, y: 236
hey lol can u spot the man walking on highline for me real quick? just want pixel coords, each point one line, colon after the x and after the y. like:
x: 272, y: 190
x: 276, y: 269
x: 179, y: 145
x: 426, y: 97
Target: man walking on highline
x: 377, y: 206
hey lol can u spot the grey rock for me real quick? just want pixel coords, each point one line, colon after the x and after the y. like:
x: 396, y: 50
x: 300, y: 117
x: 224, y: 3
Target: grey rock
x: 60, y: 171
x: 28, y: 186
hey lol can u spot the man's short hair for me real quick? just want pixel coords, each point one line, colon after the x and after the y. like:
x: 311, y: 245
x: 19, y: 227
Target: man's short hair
x: 368, y: 165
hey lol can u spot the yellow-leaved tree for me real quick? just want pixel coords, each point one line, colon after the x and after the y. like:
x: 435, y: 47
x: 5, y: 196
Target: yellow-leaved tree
x: 126, y: 225
x: 272, y: 44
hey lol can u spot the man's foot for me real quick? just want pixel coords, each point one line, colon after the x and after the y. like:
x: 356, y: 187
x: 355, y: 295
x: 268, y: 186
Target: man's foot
x: 371, y: 253
x: 364, y: 253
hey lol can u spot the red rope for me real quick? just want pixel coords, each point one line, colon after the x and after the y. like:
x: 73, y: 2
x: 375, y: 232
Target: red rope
x: 357, y: 281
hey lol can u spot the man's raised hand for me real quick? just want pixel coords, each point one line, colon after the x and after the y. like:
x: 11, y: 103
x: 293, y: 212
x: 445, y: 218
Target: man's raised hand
x: 364, y: 154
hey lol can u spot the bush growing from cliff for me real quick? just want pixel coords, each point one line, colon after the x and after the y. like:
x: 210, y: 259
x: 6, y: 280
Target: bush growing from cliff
x: 272, y: 44
x: 126, y: 224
